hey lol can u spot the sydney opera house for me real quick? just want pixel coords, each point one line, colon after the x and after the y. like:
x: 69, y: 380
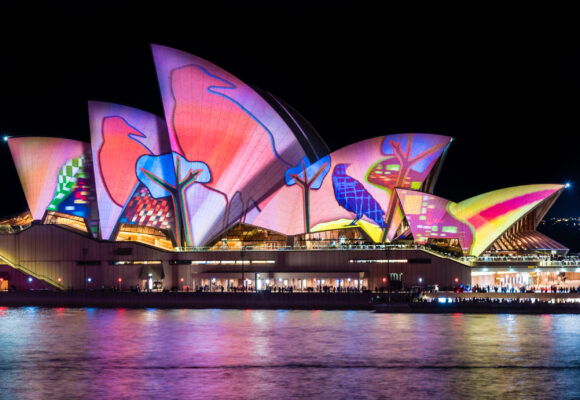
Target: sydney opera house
x: 233, y: 189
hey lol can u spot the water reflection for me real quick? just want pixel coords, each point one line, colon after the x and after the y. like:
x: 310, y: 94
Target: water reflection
x: 123, y: 353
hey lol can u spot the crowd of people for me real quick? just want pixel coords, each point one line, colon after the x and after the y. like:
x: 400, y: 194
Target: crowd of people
x: 522, y: 289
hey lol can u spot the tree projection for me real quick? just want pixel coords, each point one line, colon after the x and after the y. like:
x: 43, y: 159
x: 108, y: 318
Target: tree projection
x: 308, y: 177
x: 171, y: 175
x: 407, y: 164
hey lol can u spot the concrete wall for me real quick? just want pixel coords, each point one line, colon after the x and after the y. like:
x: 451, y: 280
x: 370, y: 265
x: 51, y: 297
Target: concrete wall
x: 56, y: 252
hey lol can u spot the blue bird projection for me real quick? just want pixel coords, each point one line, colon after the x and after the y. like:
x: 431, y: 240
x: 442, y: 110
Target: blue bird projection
x: 352, y: 196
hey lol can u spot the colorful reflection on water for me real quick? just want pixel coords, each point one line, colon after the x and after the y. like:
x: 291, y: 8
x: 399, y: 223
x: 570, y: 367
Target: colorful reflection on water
x: 124, y: 353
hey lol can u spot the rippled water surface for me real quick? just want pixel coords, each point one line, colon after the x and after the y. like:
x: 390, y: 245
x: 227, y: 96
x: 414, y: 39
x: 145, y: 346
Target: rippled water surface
x: 130, y: 354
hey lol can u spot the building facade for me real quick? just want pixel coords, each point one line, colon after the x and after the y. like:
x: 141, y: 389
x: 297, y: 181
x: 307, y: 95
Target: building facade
x: 233, y: 181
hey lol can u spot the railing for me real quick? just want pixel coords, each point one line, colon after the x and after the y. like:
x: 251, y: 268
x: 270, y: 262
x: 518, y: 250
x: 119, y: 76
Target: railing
x: 30, y: 272
x: 302, y: 248
x: 544, y: 261
x: 560, y: 263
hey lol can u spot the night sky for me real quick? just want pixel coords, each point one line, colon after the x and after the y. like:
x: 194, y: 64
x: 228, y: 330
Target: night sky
x: 505, y: 85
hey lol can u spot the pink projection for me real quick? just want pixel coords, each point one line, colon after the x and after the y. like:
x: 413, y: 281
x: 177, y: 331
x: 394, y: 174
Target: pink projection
x: 476, y: 222
x: 216, y: 119
x: 38, y: 161
x: 428, y: 217
x: 119, y: 136
x: 358, y: 190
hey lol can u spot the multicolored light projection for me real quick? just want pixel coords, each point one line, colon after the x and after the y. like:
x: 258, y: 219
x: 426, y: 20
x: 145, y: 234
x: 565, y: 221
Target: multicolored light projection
x: 476, y: 222
x: 216, y: 119
x: 224, y: 155
x: 358, y: 191
x: 50, y: 170
x: 119, y: 136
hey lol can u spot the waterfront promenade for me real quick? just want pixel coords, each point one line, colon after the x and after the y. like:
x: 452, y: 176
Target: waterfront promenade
x: 261, y: 300
x: 402, y: 302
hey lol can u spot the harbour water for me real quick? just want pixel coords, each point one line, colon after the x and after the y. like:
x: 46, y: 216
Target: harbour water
x: 91, y: 353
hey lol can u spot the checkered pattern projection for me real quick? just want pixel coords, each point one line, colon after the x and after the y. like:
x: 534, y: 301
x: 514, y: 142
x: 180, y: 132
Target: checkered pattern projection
x: 39, y: 162
x: 68, y: 176
x: 144, y: 210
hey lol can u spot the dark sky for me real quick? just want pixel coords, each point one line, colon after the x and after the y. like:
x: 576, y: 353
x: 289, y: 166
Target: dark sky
x: 504, y: 83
